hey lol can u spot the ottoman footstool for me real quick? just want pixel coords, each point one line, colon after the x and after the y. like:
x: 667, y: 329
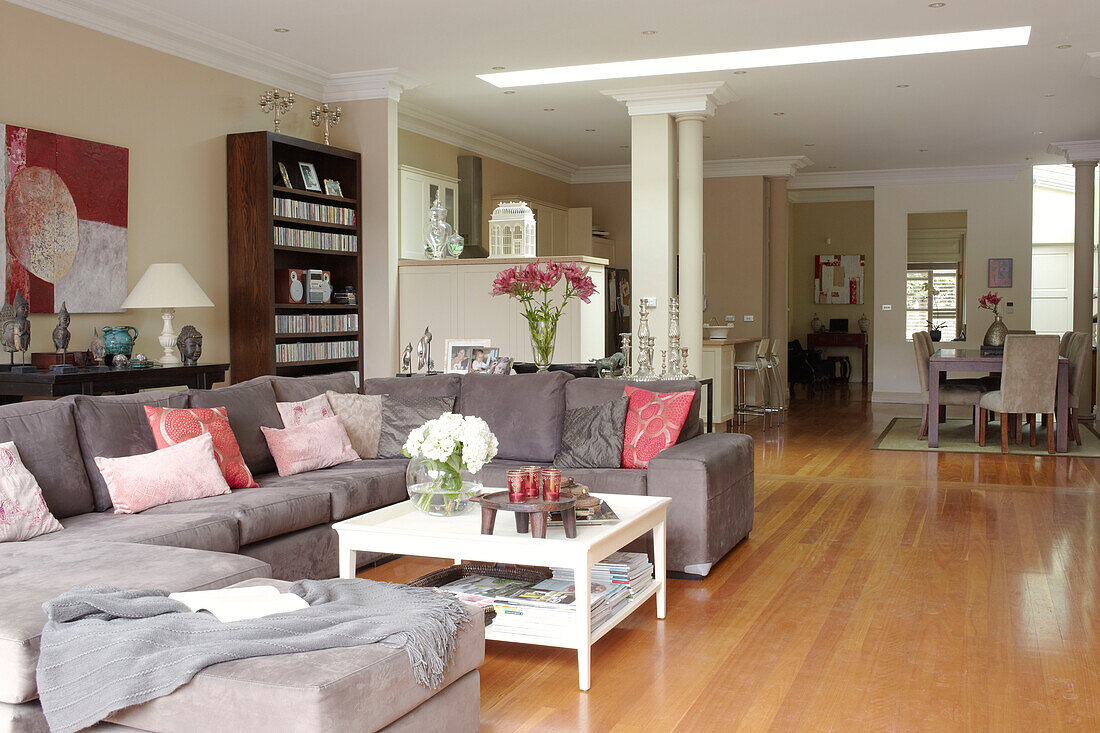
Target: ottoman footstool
x: 354, y: 689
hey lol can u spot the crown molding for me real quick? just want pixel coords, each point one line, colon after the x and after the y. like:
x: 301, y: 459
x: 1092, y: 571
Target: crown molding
x: 830, y: 195
x: 423, y: 122
x: 778, y: 167
x: 701, y: 98
x: 138, y: 23
x: 1092, y: 63
x: 1055, y: 178
x: 903, y: 176
x: 1079, y: 151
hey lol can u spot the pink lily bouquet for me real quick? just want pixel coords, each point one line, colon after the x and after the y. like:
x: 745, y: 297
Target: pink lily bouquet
x: 532, y: 285
x: 990, y: 301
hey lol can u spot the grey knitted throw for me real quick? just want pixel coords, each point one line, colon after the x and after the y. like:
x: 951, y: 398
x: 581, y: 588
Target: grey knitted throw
x: 105, y: 648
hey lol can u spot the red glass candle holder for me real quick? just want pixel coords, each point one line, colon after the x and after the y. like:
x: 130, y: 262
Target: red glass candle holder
x: 533, y: 486
x: 517, y: 485
x: 551, y: 484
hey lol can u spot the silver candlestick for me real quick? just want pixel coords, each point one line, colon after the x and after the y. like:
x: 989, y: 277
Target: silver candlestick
x: 685, y: 373
x: 278, y: 102
x: 328, y: 117
x: 626, y: 352
x: 673, y: 335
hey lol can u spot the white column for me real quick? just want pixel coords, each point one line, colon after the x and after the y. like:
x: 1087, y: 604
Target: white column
x: 656, y: 204
x: 689, y: 134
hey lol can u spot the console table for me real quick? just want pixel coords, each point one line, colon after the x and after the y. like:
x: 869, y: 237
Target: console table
x: 43, y: 383
x: 826, y: 340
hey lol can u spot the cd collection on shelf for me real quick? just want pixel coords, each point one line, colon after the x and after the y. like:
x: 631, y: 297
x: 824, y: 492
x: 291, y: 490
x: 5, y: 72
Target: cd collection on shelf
x: 316, y: 351
x: 317, y: 324
x: 319, y: 213
x: 309, y: 239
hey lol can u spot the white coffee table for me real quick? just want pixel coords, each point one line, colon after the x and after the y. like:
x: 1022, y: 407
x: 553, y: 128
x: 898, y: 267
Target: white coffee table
x: 402, y: 530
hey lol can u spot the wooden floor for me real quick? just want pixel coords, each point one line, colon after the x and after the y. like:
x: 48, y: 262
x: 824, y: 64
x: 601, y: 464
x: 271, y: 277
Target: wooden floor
x: 878, y: 591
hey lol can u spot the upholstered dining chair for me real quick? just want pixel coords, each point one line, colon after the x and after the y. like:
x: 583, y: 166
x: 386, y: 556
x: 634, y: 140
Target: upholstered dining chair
x: 1029, y: 379
x: 952, y: 391
x: 1079, y: 353
x: 1063, y: 343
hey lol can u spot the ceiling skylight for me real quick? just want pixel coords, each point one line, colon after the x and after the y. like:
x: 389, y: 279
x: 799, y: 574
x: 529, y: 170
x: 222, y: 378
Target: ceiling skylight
x: 820, y: 53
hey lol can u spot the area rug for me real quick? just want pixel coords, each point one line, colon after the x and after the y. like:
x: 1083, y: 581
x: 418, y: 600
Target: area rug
x: 957, y: 436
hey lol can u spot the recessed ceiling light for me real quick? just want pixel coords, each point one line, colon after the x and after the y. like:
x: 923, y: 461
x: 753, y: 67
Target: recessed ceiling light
x: 1048, y: 95
x: 1028, y: 158
x: 590, y: 129
x: 509, y: 91
x: 706, y: 137
x: 497, y: 68
x: 1036, y: 132
x: 808, y: 145
x: 923, y: 150
x: 761, y: 58
x: 779, y: 114
x: 830, y: 166
x: 936, y: 5
x: 649, y: 33
x: 281, y: 30
x: 740, y: 71
x: 902, y: 86
x: 624, y: 147
x: 1064, y: 45
x: 547, y: 109
x: 738, y: 155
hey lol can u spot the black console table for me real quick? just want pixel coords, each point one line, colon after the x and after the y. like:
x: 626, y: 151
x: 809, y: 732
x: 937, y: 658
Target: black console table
x: 43, y: 383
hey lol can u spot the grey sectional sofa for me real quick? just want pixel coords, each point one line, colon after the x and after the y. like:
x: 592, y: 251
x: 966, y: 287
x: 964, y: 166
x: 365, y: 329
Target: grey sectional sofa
x: 282, y: 530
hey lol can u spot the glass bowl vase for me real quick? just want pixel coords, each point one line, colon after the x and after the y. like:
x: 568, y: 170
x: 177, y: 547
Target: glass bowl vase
x: 438, y: 489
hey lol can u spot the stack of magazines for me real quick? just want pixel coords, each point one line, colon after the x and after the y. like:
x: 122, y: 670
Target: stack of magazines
x: 630, y: 570
x: 544, y: 609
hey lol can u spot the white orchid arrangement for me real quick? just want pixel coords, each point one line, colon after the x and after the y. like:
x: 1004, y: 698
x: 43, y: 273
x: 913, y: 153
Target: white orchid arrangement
x: 452, y: 442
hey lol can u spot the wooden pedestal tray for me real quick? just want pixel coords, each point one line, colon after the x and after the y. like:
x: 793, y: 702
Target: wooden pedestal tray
x: 531, y: 515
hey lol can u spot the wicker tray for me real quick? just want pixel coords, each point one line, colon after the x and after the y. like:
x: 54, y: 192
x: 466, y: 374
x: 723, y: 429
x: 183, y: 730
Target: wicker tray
x: 493, y: 570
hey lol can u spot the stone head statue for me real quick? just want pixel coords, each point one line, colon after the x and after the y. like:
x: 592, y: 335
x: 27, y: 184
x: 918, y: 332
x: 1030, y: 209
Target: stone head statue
x: 189, y: 343
x: 61, y: 335
x: 22, y: 326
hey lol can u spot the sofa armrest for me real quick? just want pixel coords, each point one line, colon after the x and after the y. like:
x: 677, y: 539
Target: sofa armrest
x: 710, y: 481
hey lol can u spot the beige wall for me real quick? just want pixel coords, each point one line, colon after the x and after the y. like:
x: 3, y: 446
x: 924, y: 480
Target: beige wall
x: 779, y: 226
x: 851, y: 226
x: 610, y: 204
x: 734, y: 221
x: 497, y: 178
x: 998, y: 224
x: 173, y: 115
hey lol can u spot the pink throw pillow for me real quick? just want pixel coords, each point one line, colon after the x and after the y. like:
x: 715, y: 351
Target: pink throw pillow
x: 188, y: 470
x: 173, y: 426
x: 653, y: 422
x: 311, y: 446
x: 23, y: 510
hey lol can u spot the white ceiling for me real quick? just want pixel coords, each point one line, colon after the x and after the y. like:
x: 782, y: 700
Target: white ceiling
x: 966, y: 108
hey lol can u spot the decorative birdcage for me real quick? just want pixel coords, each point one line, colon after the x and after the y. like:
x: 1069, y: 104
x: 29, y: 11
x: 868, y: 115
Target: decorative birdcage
x: 512, y: 230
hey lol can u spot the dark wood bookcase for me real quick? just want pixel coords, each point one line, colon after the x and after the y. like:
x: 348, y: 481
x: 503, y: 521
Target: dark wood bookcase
x: 254, y: 182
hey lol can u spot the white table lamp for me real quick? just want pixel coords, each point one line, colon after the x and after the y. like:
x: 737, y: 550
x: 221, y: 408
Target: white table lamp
x: 167, y: 285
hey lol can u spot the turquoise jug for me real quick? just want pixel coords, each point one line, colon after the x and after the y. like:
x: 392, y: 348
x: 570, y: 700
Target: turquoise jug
x: 120, y: 339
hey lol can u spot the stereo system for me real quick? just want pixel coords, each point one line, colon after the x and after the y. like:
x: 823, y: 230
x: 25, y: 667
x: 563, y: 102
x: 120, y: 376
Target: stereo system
x: 303, y: 286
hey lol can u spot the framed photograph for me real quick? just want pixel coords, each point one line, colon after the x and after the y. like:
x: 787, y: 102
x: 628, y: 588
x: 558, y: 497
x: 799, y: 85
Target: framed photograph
x: 332, y: 187
x: 482, y: 358
x: 286, y: 175
x: 1000, y: 272
x: 501, y: 365
x: 309, y: 177
x: 460, y: 354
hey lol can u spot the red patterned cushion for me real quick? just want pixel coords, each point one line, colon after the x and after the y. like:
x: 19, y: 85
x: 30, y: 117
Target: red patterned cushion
x: 173, y: 426
x: 653, y: 423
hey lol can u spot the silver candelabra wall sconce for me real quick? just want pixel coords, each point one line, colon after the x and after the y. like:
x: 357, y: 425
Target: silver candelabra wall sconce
x: 279, y: 102
x: 323, y: 115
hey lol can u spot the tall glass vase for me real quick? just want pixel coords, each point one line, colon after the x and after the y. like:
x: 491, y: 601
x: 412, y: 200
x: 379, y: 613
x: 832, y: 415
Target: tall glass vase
x: 544, y: 330
x: 438, y: 487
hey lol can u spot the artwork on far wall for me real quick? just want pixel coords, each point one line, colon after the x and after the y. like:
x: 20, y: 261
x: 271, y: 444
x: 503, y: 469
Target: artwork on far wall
x: 63, y: 221
x: 1000, y: 272
x: 838, y: 279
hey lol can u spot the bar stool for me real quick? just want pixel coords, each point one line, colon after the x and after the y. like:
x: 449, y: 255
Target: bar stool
x: 775, y: 371
x: 741, y: 370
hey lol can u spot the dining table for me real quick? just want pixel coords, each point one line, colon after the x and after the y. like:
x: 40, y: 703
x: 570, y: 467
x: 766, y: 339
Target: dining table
x: 974, y: 360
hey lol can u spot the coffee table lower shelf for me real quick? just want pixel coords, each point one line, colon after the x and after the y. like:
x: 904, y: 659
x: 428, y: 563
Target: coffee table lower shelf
x: 401, y: 530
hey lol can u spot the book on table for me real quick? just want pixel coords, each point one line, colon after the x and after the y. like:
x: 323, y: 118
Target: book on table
x: 603, y: 514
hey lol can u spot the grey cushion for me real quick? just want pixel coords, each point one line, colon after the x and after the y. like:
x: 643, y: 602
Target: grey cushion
x: 592, y: 437
x: 361, y: 688
x: 260, y: 513
x: 402, y: 415
x: 114, y: 427
x: 248, y: 405
x: 45, y: 434
x: 591, y: 391
x: 32, y: 573
x: 308, y: 553
x: 196, y: 531
x: 524, y: 411
x: 355, y: 487
x: 437, y: 385
x: 297, y: 389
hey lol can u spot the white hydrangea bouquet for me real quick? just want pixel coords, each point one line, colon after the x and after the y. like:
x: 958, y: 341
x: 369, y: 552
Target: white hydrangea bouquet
x: 439, y: 450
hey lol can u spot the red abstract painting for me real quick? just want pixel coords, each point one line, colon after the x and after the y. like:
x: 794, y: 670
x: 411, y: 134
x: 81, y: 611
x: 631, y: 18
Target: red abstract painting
x: 63, y: 221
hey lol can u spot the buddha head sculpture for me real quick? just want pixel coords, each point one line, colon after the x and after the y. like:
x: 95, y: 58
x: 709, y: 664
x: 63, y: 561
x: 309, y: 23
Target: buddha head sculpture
x: 189, y: 344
